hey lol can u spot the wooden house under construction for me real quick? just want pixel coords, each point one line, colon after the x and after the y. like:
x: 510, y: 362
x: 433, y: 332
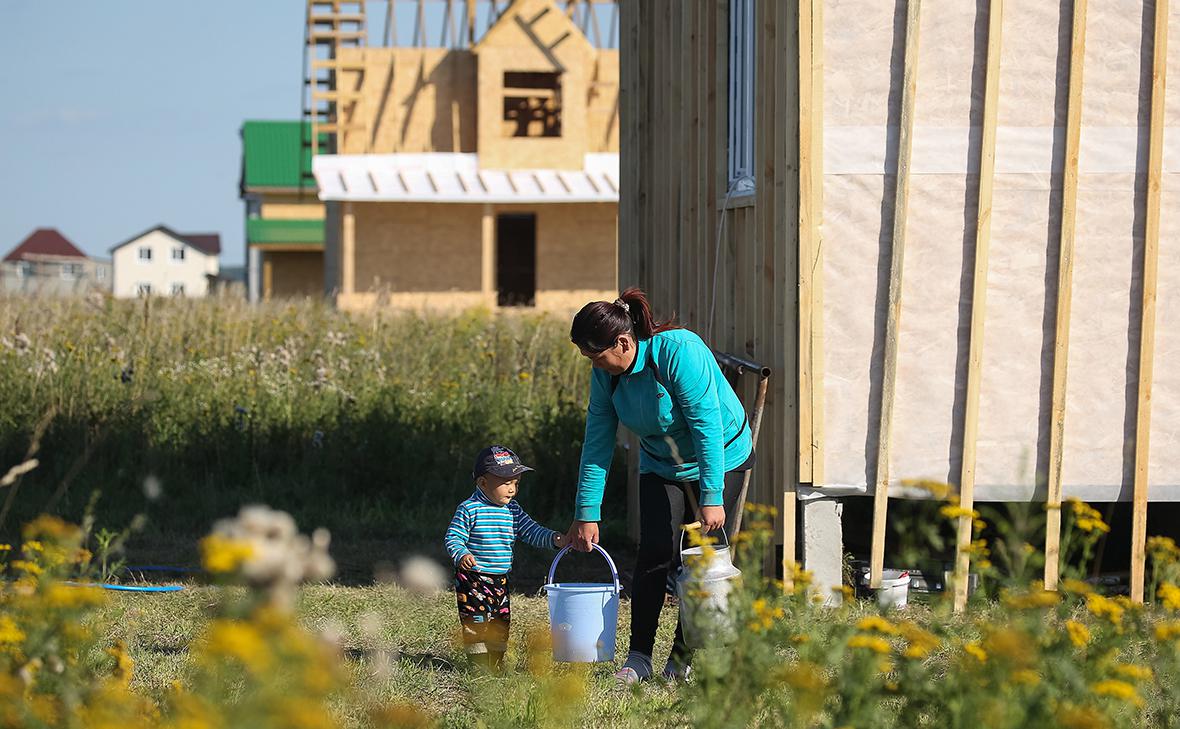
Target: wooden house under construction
x: 950, y: 228
x: 480, y: 173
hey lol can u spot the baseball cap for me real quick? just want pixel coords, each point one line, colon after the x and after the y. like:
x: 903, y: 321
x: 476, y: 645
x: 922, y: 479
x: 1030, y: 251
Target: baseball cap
x: 498, y: 461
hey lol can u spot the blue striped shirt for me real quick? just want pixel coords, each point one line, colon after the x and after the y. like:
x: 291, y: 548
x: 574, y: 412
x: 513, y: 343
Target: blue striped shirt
x: 487, y: 532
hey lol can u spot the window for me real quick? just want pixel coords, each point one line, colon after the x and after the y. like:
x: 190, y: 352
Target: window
x: 178, y: 254
x: 532, y: 104
x: 145, y: 255
x: 178, y: 289
x: 143, y: 289
x: 71, y: 271
x: 741, y: 97
x: 100, y: 273
x: 24, y: 269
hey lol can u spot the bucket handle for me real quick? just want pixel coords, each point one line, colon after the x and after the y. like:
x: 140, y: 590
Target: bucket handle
x: 686, y: 528
x: 614, y: 571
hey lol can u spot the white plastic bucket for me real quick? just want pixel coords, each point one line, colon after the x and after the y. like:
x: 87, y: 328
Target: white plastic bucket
x: 895, y: 589
x: 583, y: 616
x: 703, y: 586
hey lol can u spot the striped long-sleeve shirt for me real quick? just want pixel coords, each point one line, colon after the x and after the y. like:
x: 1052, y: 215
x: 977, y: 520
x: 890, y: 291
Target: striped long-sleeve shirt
x: 487, y: 531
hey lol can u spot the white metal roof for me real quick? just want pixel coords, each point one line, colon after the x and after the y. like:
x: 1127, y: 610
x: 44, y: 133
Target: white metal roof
x: 444, y: 177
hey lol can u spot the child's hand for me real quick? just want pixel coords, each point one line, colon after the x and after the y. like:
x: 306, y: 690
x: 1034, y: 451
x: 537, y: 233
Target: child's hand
x: 560, y: 540
x: 467, y: 562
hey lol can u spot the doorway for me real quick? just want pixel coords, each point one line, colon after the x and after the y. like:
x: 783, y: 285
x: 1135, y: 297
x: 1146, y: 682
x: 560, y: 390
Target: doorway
x: 516, y: 259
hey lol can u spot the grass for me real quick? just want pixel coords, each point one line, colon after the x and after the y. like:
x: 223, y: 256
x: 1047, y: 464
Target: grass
x: 366, y: 425
x: 402, y: 647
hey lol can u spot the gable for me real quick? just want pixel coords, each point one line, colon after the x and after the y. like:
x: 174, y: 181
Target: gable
x: 538, y: 29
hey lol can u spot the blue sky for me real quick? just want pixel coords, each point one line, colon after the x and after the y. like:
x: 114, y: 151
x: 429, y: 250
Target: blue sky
x: 123, y: 114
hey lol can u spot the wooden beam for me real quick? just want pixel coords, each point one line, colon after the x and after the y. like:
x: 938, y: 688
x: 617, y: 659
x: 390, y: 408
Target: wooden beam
x: 983, y: 222
x: 810, y: 244
x: 470, y: 23
x: 1151, y: 244
x: 487, y: 255
x: 348, y: 250
x: 893, y: 316
x: 1065, y: 249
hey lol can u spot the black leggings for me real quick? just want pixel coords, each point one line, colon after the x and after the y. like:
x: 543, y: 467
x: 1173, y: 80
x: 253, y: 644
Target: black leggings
x: 662, y: 509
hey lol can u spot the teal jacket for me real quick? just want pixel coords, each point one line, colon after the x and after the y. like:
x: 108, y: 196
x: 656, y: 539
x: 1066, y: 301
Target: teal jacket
x: 690, y: 423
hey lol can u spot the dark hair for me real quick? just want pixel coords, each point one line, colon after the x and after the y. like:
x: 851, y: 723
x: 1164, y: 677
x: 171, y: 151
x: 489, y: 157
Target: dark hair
x: 600, y: 323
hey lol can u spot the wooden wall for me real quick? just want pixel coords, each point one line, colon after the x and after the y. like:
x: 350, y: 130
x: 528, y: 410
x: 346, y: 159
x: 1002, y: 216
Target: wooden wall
x: 739, y: 290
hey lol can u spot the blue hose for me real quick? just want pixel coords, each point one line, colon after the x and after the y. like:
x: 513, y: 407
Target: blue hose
x: 129, y: 588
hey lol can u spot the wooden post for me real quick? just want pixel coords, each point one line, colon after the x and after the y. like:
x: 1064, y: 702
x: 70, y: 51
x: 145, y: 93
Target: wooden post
x: 348, y: 250
x: 1151, y: 243
x: 810, y: 216
x: 983, y: 222
x: 488, y: 255
x: 893, y: 316
x: 1069, y: 199
x: 267, y: 276
x: 470, y: 23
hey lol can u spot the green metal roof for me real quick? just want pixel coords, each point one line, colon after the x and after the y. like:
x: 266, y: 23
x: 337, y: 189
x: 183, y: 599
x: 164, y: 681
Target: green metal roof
x: 271, y: 151
x: 291, y: 232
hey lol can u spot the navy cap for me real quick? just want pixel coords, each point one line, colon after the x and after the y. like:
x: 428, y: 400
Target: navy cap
x: 498, y: 461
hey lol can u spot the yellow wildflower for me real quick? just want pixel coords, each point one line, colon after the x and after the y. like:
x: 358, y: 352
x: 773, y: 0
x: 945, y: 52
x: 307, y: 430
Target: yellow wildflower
x: 877, y: 623
x: 33, y: 546
x: 51, y: 527
x: 869, y: 642
x: 1134, y: 672
x: 31, y: 568
x: 884, y: 665
x: 1037, y: 597
x: 1170, y: 595
x: 921, y: 642
x: 1118, y: 689
x: 1092, y: 525
x: 974, y: 649
x: 239, y: 640
x: 1026, y: 677
x: 1167, y: 631
x: 1077, y: 587
x: 71, y: 596
x: 1074, y: 717
x: 977, y: 548
x: 804, y: 676
x: 764, y: 615
x: 955, y: 512
x: 936, y: 489
x: 5, y: 547
x: 1104, y: 607
x: 1079, y: 634
x: 800, y: 638
x: 1082, y: 510
x: 220, y: 555
x: 1013, y: 645
x: 10, y: 633
x: 124, y: 666
x: 1163, y: 549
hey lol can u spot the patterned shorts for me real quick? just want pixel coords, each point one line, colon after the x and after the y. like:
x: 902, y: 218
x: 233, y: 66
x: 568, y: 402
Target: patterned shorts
x: 484, y: 610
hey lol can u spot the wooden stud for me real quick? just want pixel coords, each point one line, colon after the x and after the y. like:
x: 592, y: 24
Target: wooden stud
x: 348, y: 250
x: 810, y: 189
x: 470, y: 30
x: 983, y: 220
x: 893, y: 316
x: 1069, y: 197
x: 487, y: 275
x: 817, y: 248
x: 1151, y: 236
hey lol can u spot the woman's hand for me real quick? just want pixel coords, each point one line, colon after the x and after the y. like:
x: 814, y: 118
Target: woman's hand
x: 582, y: 534
x: 712, y: 518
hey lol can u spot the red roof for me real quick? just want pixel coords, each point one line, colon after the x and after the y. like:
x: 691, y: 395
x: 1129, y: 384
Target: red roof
x: 209, y: 243
x: 44, y: 242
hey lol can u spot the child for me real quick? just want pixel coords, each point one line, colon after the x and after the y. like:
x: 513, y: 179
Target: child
x: 480, y: 540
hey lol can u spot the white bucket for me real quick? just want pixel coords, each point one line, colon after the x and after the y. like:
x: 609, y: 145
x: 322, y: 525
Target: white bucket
x: 583, y: 616
x: 707, y: 576
x: 895, y: 589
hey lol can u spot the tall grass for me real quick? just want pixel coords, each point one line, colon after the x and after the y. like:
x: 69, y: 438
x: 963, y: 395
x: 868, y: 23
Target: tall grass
x: 360, y: 423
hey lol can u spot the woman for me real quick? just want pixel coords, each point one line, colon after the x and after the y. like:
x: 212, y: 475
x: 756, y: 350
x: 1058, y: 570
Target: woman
x: 662, y: 382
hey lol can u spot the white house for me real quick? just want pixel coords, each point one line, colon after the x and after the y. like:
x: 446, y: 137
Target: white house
x: 163, y: 262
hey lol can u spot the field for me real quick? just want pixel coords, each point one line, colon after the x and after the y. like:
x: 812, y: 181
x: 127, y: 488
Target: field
x: 139, y: 425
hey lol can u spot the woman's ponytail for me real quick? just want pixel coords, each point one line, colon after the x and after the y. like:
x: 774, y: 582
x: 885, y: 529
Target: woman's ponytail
x: 600, y: 323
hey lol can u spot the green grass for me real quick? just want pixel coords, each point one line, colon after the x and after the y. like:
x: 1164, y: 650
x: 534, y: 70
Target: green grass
x: 399, y: 646
x: 366, y: 425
